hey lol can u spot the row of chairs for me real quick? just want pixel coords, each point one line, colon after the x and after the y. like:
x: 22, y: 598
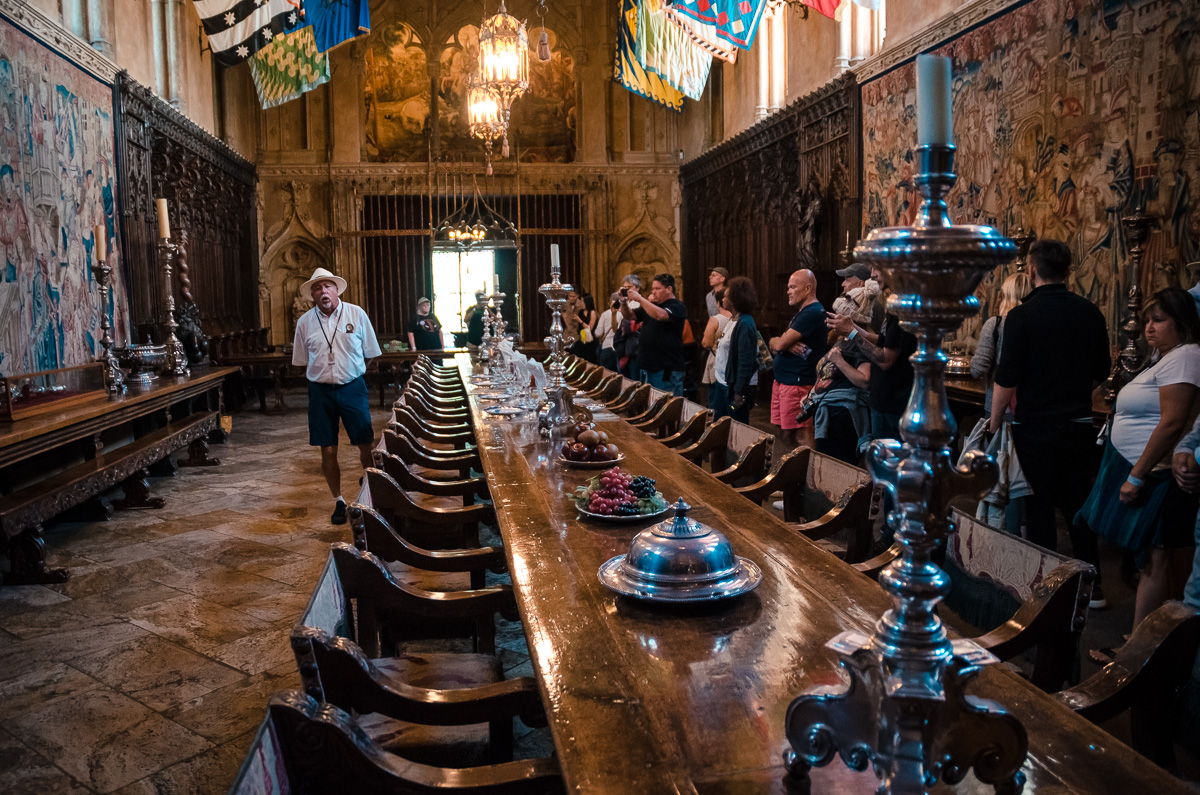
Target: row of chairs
x: 380, y: 711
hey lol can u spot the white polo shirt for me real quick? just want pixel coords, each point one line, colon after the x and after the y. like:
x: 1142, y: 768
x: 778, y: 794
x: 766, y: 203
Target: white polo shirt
x: 334, y: 349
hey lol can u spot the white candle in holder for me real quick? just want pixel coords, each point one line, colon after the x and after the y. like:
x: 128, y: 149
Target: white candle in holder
x: 164, y: 223
x: 554, y: 256
x: 100, y: 238
x: 935, y: 117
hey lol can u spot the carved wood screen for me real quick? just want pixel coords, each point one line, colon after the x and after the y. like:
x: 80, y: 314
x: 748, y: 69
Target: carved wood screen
x: 395, y: 252
x: 210, y: 192
x: 779, y: 196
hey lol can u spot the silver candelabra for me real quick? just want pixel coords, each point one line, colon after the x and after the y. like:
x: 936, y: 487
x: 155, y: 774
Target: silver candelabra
x: 177, y: 363
x: 499, y: 324
x: 114, y: 379
x: 558, y: 410
x: 905, y: 712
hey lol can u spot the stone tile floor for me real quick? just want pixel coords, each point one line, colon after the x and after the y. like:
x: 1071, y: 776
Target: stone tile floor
x: 149, y: 670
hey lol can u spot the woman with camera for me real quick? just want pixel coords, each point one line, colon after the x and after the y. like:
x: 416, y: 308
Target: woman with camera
x: 741, y: 368
x: 838, y: 403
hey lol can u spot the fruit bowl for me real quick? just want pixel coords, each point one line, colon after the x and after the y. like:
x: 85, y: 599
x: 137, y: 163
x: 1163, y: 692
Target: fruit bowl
x: 593, y: 464
x: 619, y: 497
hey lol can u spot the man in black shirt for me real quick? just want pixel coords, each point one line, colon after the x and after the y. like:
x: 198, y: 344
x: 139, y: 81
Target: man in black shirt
x: 660, y: 340
x: 1054, y: 353
x: 888, y: 351
x: 425, y: 332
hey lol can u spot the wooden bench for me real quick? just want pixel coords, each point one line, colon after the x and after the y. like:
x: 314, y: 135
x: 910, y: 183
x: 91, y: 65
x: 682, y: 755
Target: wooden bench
x: 23, y: 512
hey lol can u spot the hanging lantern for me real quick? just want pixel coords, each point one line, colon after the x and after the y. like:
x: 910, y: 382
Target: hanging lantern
x: 504, y: 62
x: 483, y: 116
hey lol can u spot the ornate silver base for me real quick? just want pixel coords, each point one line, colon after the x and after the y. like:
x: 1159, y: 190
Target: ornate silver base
x: 558, y: 412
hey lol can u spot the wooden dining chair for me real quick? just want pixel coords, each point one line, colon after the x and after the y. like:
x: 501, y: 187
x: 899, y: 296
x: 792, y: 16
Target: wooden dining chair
x: 626, y: 393
x: 752, y: 449
x: 425, y: 483
x: 691, y: 428
x: 608, y: 389
x: 711, y: 446
x: 304, y: 746
x: 432, y: 426
x: 411, y: 564
x: 426, y: 432
x: 822, y: 496
x: 433, y: 528
x: 636, y: 403
x: 665, y: 420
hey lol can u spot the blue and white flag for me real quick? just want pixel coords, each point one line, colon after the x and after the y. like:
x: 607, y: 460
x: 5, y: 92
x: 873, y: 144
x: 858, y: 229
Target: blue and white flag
x: 239, y: 28
x: 337, y: 21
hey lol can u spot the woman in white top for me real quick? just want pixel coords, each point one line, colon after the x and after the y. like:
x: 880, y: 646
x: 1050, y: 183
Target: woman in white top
x: 1135, y: 502
x: 606, y: 328
x: 716, y: 342
x: 991, y: 336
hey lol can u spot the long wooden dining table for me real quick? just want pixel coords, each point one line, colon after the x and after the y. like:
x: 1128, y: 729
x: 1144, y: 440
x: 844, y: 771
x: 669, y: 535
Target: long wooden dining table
x: 651, y: 699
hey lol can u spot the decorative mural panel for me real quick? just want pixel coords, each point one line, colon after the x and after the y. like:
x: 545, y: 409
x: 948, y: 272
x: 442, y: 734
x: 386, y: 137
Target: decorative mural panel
x: 399, y: 85
x: 397, y: 95
x: 1067, y: 115
x: 57, y: 184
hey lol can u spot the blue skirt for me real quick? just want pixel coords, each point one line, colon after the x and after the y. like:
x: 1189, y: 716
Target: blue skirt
x: 1134, y: 527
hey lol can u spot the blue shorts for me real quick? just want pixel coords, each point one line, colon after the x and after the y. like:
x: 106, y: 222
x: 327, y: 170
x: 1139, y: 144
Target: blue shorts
x: 329, y: 402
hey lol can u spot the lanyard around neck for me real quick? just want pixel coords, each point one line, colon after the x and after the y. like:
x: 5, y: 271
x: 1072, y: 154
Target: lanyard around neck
x: 330, y: 338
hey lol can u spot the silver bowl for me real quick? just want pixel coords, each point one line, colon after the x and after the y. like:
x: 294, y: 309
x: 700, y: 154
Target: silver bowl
x: 680, y: 560
x: 145, y: 362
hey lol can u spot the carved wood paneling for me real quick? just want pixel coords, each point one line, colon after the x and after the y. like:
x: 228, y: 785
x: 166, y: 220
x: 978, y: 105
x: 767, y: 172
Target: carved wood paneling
x: 210, y: 191
x: 748, y: 201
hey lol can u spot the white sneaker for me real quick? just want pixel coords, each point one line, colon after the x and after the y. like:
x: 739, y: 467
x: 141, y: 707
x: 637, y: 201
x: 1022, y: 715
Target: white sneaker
x: 777, y: 505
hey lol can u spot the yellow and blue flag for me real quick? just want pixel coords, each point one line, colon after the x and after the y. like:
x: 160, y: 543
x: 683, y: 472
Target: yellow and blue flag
x: 631, y: 74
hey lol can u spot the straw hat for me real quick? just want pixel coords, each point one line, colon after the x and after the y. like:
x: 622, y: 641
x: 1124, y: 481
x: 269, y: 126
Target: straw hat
x: 321, y: 275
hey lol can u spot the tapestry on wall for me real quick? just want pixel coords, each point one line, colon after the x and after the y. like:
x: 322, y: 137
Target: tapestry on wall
x: 1067, y: 115
x: 399, y: 90
x: 56, y: 180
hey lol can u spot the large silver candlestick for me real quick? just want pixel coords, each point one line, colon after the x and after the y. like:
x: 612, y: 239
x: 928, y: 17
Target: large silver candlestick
x: 114, y: 379
x: 177, y: 363
x: 905, y: 712
x: 1132, y: 359
x: 558, y: 410
x: 485, y: 342
x: 499, y: 324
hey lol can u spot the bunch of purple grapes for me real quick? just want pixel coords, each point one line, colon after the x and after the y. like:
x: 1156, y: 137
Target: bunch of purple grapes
x: 614, y: 497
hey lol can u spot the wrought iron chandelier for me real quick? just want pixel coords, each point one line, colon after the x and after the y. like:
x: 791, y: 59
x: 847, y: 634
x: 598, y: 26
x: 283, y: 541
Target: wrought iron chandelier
x: 504, y: 62
x: 474, y: 225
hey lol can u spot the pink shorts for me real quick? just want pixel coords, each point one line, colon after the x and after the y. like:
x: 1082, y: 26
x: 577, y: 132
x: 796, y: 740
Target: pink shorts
x: 786, y: 401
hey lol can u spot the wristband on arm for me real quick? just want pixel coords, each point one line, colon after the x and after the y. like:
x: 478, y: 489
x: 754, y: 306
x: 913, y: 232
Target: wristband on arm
x: 1136, y: 482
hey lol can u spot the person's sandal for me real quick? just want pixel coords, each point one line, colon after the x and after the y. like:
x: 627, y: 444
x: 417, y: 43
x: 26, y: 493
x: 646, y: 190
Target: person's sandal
x: 1098, y: 602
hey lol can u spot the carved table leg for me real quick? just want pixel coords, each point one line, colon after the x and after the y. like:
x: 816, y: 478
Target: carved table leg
x: 164, y: 468
x: 198, y: 455
x: 137, y: 493
x: 27, y: 559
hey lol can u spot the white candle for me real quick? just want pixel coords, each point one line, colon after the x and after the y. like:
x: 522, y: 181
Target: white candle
x: 935, y: 118
x: 554, y: 256
x: 164, y: 223
x: 100, y: 239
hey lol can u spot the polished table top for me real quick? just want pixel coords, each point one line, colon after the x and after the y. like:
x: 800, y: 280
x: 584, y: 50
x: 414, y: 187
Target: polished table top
x: 653, y: 699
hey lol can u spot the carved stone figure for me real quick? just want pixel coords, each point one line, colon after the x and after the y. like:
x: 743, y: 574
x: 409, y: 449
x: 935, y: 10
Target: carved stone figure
x: 189, y: 332
x: 811, y: 207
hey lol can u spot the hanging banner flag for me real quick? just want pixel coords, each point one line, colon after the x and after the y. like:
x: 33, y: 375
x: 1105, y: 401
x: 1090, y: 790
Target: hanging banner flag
x: 703, y: 36
x: 239, y: 28
x: 827, y: 7
x: 337, y: 21
x: 665, y: 49
x: 736, y: 21
x: 287, y: 67
x: 631, y: 74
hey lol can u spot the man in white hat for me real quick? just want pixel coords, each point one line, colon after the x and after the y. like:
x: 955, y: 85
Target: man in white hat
x: 334, y: 339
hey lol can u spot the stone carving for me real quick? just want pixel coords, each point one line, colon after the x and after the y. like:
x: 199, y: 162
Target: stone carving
x: 811, y: 206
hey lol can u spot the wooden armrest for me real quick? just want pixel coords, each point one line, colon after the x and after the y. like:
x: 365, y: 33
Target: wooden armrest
x: 408, y: 480
x: 607, y: 388
x: 386, y: 494
x: 392, y: 435
x: 852, y: 510
x: 651, y: 411
x: 874, y: 565
x: 714, y: 440
x: 1158, y: 654
x: 751, y: 463
x: 792, y: 469
x: 1057, y: 607
x: 665, y: 418
x: 691, y: 430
